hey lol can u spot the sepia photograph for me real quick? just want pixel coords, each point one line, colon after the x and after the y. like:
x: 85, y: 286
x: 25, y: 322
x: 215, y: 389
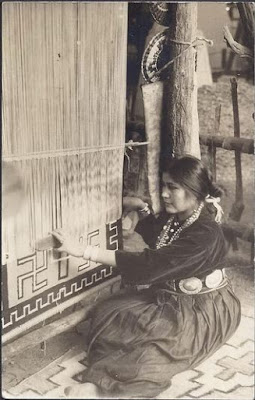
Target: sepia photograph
x: 127, y: 192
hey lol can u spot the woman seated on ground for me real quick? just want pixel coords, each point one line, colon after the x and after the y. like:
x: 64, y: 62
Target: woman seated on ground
x: 177, y: 307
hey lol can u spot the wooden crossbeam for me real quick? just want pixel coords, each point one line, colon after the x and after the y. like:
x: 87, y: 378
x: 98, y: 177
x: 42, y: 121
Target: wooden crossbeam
x: 228, y: 143
x: 243, y: 145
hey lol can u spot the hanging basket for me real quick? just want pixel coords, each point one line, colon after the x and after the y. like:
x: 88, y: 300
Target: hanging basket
x: 156, y: 55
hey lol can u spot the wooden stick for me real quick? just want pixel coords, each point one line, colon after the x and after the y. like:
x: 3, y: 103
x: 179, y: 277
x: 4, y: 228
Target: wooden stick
x: 217, y: 118
x: 212, y: 158
x: 212, y: 147
x: 69, y: 152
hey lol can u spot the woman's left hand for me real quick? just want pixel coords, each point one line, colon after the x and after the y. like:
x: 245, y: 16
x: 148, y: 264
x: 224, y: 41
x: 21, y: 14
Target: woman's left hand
x: 68, y: 244
x: 131, y: 203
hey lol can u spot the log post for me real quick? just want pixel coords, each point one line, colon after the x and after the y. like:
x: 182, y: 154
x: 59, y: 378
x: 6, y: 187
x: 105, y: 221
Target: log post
x: 180, y: 128
x: 238, y: 206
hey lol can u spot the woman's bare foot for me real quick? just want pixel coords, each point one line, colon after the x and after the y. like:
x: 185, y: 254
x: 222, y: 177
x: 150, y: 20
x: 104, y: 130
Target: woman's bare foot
x: 82, y: 391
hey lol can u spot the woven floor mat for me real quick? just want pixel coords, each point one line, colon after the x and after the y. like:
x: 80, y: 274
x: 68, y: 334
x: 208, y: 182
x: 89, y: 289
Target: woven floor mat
x: 228, y: 374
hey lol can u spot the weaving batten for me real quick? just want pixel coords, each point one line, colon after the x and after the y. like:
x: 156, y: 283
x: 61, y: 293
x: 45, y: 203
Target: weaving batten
x: 69, y: 152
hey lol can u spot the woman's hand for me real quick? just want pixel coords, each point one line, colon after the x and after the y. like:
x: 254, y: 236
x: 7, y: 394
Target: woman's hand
x: 68, y: 244
x: 132, y: 204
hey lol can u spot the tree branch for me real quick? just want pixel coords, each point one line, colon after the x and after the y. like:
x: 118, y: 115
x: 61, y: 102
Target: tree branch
x: 237, y: 48
x: 246, y: 12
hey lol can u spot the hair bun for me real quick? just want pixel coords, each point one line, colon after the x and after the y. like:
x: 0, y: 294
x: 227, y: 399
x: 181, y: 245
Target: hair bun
x: 216, y: 190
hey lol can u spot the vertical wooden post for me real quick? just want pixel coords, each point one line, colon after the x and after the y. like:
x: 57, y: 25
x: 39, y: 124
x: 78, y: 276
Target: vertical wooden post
x: 217, y: 119
x: 180, y: 128
x: 212, y: 148
x: 238, y: 206
x: 212, y: 160
x: 238, y: 164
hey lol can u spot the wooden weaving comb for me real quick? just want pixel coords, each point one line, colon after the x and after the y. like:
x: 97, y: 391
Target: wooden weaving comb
x: 46, y: 243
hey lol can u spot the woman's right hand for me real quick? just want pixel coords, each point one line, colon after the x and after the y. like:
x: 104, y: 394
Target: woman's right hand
x: 131, y: 203
x: 68, y: 244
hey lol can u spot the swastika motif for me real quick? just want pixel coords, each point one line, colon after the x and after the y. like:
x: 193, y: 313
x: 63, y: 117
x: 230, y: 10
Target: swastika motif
x: 35, y: 264
x: 16, y: 315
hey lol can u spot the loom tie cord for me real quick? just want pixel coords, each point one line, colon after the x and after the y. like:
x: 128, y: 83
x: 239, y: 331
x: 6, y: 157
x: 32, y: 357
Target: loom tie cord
x: 128, y: 158
x: 69, y: 152
x: 130, y: 145
x: 193, y: 43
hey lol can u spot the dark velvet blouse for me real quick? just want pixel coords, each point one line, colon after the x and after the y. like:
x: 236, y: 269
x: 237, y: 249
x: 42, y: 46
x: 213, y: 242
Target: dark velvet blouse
x: 198, y: 251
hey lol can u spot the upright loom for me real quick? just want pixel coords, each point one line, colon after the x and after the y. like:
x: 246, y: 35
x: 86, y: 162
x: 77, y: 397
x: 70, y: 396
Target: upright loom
x: 63, y: 115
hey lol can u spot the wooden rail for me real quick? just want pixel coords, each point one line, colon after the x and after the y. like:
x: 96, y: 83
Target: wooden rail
x: 243, y: 145
x: 228, y: 143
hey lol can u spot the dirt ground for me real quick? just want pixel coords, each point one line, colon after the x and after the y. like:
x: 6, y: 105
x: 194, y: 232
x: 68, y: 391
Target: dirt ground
x: 240, y: 270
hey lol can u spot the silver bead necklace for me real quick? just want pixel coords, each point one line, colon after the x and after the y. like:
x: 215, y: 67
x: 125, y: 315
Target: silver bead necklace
x: 163, y: 238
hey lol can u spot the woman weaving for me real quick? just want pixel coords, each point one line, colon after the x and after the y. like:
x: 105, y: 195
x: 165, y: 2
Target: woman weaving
x: 177, y: 307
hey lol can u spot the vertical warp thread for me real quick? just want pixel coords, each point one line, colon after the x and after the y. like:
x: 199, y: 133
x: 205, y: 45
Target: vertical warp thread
x: 64, y: 87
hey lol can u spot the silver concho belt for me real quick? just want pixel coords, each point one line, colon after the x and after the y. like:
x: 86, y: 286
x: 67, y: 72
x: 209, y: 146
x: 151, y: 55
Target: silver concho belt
x: 195, y: 285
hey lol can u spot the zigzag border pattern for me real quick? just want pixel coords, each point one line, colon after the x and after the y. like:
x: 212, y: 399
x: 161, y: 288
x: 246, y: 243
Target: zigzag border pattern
x: 56, y: 297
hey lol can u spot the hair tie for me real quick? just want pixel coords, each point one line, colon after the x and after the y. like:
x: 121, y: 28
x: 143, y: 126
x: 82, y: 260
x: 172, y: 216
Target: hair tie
x: 215, y: 201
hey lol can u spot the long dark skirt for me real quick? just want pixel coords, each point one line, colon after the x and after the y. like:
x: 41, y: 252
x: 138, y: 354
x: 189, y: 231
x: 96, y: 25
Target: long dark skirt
x: 139, y: 340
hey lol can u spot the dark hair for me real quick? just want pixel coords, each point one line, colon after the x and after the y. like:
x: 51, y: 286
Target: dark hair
x: 192, y: 174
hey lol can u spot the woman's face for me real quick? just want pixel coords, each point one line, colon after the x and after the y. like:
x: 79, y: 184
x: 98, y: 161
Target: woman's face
x: 177, y: 200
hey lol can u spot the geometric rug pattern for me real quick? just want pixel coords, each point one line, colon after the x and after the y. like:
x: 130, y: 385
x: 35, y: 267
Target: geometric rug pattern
x: 228, y: 374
